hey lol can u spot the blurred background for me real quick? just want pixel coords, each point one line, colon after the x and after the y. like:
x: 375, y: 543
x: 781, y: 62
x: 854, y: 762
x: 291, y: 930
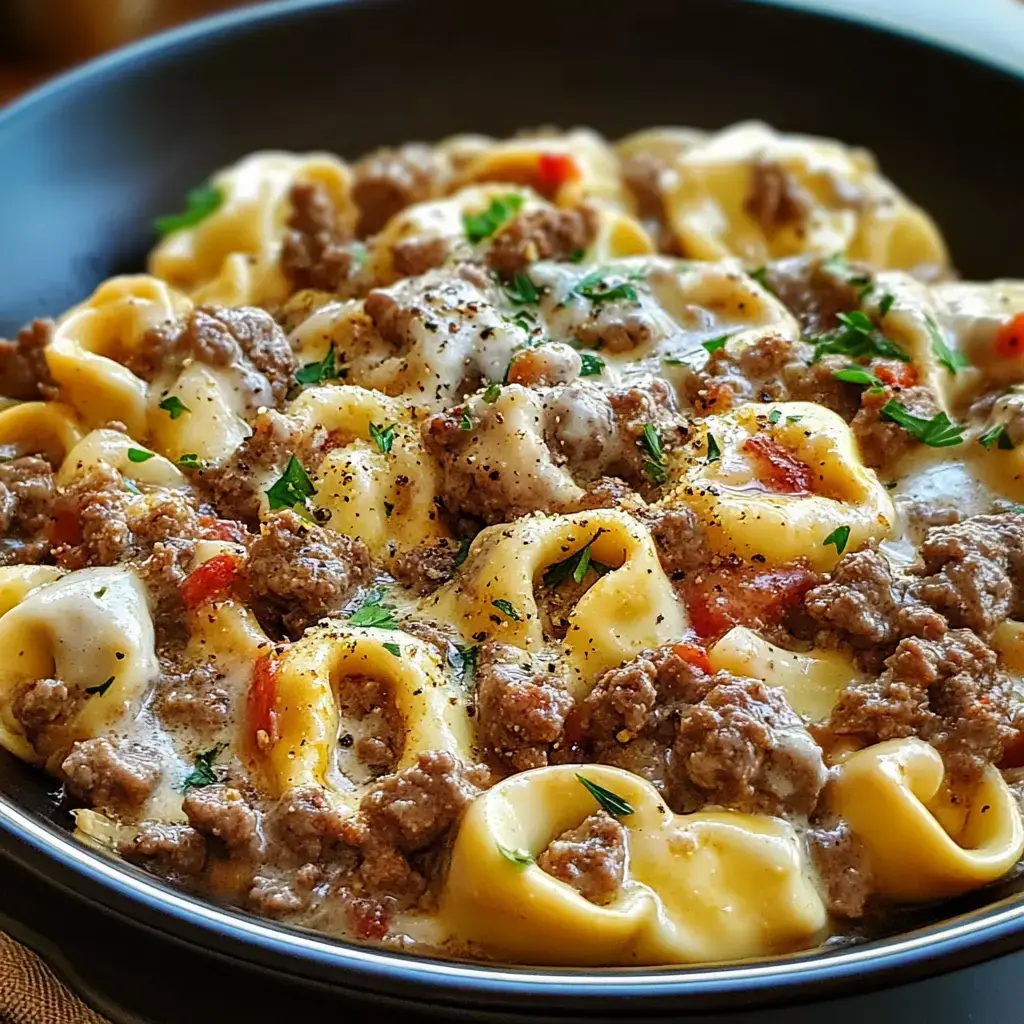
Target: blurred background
x: 39, y: 37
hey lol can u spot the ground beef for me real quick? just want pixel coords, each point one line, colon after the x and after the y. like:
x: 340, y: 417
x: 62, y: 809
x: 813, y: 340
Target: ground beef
x: 882, y: 442
x: 26, y: 502
x: 247, y: 339
x: 619, y: 327
x: 811, y: 289
x: 371, y: 702
x: 112, y: 774
x: 775, y: 201
x: 280, y: 897
x: 167, y: 849
x: 415, y: 256
x: 591, y: 858
x: 23, y: 370
x: 743, y: 747
x: 41, y: 705
x: 949, y: 691
x: 306, y: 823
x: 232, y: 487
x: 865, y: 606
x: 772, y: 369
x: 642, y: 175
x: 972, y: 571
x: 313, y: 253
x: 389, y: 180
x: 921, y: 516
x: 679, y: 539
x: 609, y: 492
x: 302, y: 571
x: 840, y: 859
x: 427, y: 567
x: 220, y: 812
x: 549, y: 234
x: 522, y: 703
x: 192, y: 696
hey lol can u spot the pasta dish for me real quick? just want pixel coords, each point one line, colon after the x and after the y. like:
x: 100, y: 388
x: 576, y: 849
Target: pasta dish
x: 542, y: 550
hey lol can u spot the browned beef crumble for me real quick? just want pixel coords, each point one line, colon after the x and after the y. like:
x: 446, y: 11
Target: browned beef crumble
x: 775, y: 201
x: 843, y: 867
x: 173, y: 850
x: 191, y: 695
x: 591, y: 858
x: 247, y: 339
x: 314, y: 253
x: 302, y: 571
x: 42, y: 707
x: 522, y: 704
x: 221, y: 812
x: 414, y: 256
x: 883, y: 443
x: 26, y: 502
x: 643, y: 175
x: 23, y: 370
x: 389, y: 180
x: 425, y: 568
x: 371, y: 702
x: 542, y: 235
x: 813, y: 291
x: 115, y: 775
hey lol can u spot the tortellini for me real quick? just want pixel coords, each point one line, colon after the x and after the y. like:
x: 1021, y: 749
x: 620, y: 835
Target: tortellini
x: 826, y: 198
x: 925, y: 840
x: 50, y: 429
x: 779, y: 486
x: 630, y: 607
x: 698, y: 887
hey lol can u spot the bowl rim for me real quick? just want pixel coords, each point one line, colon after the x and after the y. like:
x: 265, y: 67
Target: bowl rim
x: 114, y: 886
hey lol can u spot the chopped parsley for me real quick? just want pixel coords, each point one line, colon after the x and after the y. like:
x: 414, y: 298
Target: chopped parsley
x: 522, y: 291
x: 609, y: 801
x: 858, y: 375
x: 948, y: 358
x: 793, y: 419
x: 864, y: 284
x: 774, y: 416
x: 592, y: 365
x: 389, y: 507
x: 100, y: 592
x: 492, y: 392
x: 714, y: 344
x: 202, y: 774
x: 393, y: 649
x: 189, y: 460
x: 595, y: 287
x: 174, y: 406
x: 383, y: 437
x: 199, y: 204
x: 102, y: 688
x: 997, y: 437
x: 315, y: 373
x: 840, y: 536
x: 506, y: 609
x: 462, y: 659
x: 466, y: 421
x: 857, y: 337
x: 760, y: 275
x: 885, y: 303
x: 714, y: 451
x: 938, y: 432
x: 374, y: 612
x: 463, y: 553
x: 576, y: 566
x: 482, y: 225
x: 655, y: 466
x: 292, y: 489
x: 139, y: 455
x: 576, y: 256
x: 518, y: 856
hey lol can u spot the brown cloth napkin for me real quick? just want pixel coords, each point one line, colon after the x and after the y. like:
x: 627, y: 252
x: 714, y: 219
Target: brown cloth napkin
x: 30, y: 994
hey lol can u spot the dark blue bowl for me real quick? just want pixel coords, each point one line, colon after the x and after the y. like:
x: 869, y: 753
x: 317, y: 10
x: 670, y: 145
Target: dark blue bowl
x: 86, y: 162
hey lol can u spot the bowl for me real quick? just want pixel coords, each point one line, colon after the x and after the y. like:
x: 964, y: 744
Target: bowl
x: 90, y: 159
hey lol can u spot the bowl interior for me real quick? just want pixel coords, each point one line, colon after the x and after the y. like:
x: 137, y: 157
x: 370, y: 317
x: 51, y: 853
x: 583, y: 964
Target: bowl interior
x: 91, y: 160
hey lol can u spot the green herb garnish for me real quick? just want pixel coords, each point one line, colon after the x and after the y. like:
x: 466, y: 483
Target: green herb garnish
x: 576, y: 565
x: 374, y: 612
x: 199, y: 204
x: 462, y: 659
x: 857, y: 337
x: 101, y: 689
x: 383, y: 437
x: 139, y: 455
x: 522, y: 291
x: 858, y: 375
x: 714, y: 451
x: 292, y: 489
x: 315, y: 373
x: 655, y: 466
x: 465, y: 420
x: 393, y: 649
x: 592, y: 365
x: 609, y: 801
x: 389, y: 507
x: 463, y: 553
x: 174, y: 406
x: 938, y: 432
x: 576, y: 256
x: 951, y: 360
x: 839, y: 537
x: 714, y: 344
x: 760, y: 275
x: 100, y: 592
x: 202, y: 774
x: 482, y: 225
x: 774, y: 416
x: 517, y: 856
x: 595, y: 288
x: 506, y: 609
x: 492, y: 392
x: 996, y: 437
x: 885, y: 303
x: 189, y: 460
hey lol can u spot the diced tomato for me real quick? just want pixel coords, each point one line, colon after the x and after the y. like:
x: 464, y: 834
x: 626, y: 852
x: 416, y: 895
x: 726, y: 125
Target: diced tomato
x: 895, y: 374
x: 777, y: 467
x: 1009, y: 341
x: 744, y: 595
x: 262, y: 698
x: 368, y: 917
x: 210, y: 580
x: 693, y: 654
x: 64, y: 528
x: 553, y: 171
x: 222, y: 529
